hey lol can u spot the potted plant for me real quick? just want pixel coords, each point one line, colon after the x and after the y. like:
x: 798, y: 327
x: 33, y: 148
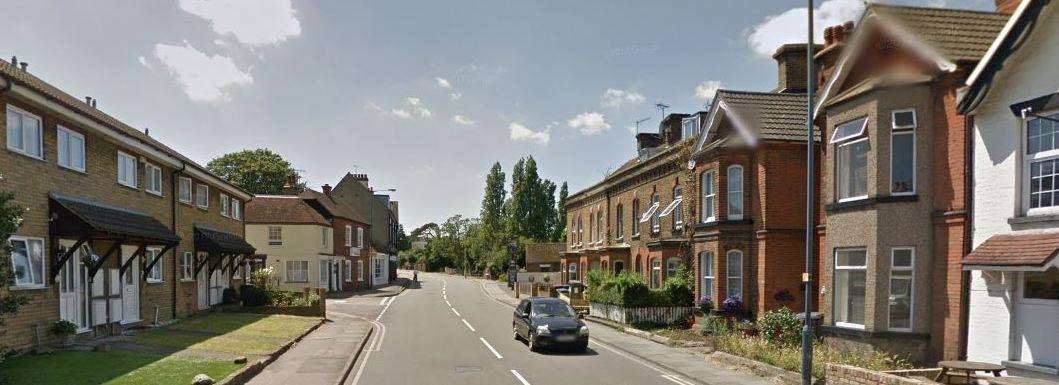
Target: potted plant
x: 66, y: 330
x: 732, y: 309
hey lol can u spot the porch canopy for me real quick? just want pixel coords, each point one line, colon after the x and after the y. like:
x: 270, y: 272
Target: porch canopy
x: 86, y: 220
x: 1015, y: 252
x: 225, y: 250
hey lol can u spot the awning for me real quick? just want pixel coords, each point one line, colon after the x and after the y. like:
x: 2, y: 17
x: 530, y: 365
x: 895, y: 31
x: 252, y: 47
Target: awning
x: 78, y: 217
x: 218, y: 241
x: 1026, y: 252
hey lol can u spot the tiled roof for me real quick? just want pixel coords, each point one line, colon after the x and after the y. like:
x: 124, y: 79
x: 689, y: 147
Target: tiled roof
x: 544, y: 252
x: 1027, y: 250
x: 220, y: 241
x: 332, y: 206
x: 956, y: 34
x: 770, y: 115
x: 116, y: 221
x: 30, y: 81
x: 282, y: 209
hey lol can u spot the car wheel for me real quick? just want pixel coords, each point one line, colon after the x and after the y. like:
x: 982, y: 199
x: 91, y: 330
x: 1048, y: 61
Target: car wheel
x: 583, y: 347
x: 514, y: 330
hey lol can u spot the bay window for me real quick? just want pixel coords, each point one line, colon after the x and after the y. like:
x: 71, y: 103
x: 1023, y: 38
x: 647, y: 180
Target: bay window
x: 1041, y: 167
x: 901, y: 289
x: 709, y: 196
x: 903, y: 153
x: 735, y: 273
x: 735, y: 192
x: 850, y: 279
x: 851, y: 160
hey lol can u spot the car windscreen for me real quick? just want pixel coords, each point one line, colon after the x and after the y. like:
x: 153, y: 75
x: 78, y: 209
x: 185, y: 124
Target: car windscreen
x: 551, y: 309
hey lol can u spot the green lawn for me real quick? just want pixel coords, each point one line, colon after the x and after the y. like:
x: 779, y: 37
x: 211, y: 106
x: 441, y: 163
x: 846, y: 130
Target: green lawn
x: 202, y: 340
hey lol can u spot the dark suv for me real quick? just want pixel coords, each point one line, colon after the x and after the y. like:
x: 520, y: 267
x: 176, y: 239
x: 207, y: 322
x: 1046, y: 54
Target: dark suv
x: 549, y: 322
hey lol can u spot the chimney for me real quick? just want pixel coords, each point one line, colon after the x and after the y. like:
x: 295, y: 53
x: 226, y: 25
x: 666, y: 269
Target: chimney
x: 25, y: 66
x: 362, y: 178
x: 327, y: 190
x: 1007, y: 6
x: 790, y: 59
x: 14, y: 61
x: 646, y: 141
x: 88, y: 101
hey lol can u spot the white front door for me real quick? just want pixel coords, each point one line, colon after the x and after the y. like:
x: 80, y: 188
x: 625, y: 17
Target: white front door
x: 1037, y: 318
x: 71, y: 291
x: 130, y: 286
x: 99, y: 299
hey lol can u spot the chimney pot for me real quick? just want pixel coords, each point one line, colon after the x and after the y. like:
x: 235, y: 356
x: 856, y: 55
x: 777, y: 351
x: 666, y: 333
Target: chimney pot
x: 327, y: 190
x: 24, y: 65
x: 88, y: 100
x: 14, y: 61
x: 1007, y: 6
x: 94, y: 103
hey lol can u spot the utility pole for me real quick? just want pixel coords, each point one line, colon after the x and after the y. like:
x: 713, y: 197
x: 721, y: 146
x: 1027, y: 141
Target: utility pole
x: 807, y: 277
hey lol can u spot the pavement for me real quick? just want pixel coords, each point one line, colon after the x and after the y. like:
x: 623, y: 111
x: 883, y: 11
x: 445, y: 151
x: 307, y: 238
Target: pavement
x: 454, y: 330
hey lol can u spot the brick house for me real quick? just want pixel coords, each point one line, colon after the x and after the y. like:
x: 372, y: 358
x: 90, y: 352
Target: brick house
x: 748, y: 202
x: 349, y: 243
x: 119, y: 230
x: 894, y: 187
x: 380, y: 214
x: 1012, y: 101
x: 544, y: 257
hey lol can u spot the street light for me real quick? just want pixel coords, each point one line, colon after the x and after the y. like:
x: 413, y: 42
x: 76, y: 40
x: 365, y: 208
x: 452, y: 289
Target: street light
x: 807, y: 277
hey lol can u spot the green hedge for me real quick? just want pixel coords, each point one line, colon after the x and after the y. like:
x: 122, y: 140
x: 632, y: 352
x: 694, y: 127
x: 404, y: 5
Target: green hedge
x: 629, y: 290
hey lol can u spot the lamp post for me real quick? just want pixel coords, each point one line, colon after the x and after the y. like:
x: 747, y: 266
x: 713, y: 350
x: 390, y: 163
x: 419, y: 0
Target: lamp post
x: 807, y: 277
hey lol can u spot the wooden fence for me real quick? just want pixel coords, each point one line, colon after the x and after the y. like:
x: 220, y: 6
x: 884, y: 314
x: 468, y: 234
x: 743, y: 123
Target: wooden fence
x: 641, y: 315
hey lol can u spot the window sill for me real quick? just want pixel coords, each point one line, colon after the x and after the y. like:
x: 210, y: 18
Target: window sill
x: 27, y: 287
x: 186, y: 280
x: 1036, y: 218
x: 848, y: 331
x: 157, y: 194
x: 128, y: 187
x: 155, y: 281
x: 83, y: 172
x: 22, y: 153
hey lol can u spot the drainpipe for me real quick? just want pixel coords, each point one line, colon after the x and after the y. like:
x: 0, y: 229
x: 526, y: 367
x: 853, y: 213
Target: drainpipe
x: 173, y: 217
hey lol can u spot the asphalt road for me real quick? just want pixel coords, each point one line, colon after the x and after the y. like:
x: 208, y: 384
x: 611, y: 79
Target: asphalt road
x: 448, y: 331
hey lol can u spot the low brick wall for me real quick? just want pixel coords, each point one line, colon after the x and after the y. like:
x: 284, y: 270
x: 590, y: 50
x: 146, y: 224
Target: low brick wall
x: 640, y: 315
x: 852, y: 375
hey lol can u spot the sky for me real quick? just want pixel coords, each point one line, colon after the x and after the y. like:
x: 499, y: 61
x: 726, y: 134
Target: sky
x: 423, y: 96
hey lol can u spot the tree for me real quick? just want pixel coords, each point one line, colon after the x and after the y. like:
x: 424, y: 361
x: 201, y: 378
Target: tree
x: 257, y: 171
x: 560, y: 220
x: 402, y: 240
x: 10, y: 220
x: 492, y: 214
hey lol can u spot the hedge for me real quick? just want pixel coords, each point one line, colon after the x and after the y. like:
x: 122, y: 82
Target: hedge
x: 629, y: 290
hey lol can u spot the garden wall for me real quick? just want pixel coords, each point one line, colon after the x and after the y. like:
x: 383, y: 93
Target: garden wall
x: 640, y: 315
x: 852, y: 375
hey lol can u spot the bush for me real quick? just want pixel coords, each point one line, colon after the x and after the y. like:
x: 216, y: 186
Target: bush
x: 230, y: 295
x: 780, y: 327
x: 679, y: 290
x: 64, y: 328
x: 253, y: 295
x: 732, y: 306
x: 706, y: 305
x: 629, y: 290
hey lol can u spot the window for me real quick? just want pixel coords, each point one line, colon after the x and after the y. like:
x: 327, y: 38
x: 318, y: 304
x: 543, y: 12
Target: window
x: 202, y: 195
x: 360, y: 237
x: 849, y: 130
x: 689, y: 126
x: 237, y: 209
x: 275, y: 235
x: 850, y: 279
x: 590, y: 232
x: 70, y: 149
x: 706, y: 266
x: 1042, y: 285
x: 185, y: 190
x: 652, y: 213
x: 594, y: 265
x: 903, y: 119
x: 656, y: 273
x: 325, y: 236
x: 571, y: 272
x: 347, y: 267
x: 186, y: 266
x: 377, y: 266
x: 226, y: 204
x: 27, y: 261
x: 903, y: 153
x: 735, y: 274
x: 851, y: 160
x: 619, y: 222
x: 298, y: 271
x: 126, y: 169
x: 349, y: 235
x: 1042, y: 164
x: 324, y: 273
x: 155, y: 274
x: 580, y: 229
x: 901, y: 279
x: 635, y: 217
x: 153, y: 183
x: 674, y: 208
x: 709, y: 196
x: 24, y: 133
x: 360, y: 270
x: 599, y: 226
x: 735, y: 192
x: 672, y: 266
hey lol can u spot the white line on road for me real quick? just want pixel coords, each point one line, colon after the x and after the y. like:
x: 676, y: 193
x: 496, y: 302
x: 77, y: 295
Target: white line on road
x: 468, y: 325
x: 448, y: 303
x: 386, y: 307
x: 676, y: 379
x: 454, y: 311
x: 383, y: 302
x: 519, y: 377
x: 495, y: 353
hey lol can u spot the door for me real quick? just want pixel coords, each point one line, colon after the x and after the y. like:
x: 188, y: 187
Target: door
x: 216, y: 287
x: 99, y: 299
x: 1037, y: 312
x: 130, y: 286
x: 116, y: 296
x: 71, y: 291
x: 203, y: 288
x: 336, y: 275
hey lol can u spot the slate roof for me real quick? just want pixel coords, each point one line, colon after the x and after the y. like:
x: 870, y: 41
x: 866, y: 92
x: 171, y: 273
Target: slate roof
x: 220, y: 241
x: 333, y: 207
x: 114, y: 221
x: 1025, y: 250
x: 771, y: 115
x: 288, y: 209
x: 955, y: 33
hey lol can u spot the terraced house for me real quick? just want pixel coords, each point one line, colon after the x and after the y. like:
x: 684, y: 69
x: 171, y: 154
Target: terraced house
x: 119, y: 229
x: 895, y: 192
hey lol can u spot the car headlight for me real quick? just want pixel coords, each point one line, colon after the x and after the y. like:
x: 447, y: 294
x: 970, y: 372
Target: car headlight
x: 583, y: 331
x: 543, y: 329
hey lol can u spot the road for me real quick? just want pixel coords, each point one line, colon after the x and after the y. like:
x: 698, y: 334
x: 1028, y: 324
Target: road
x: 449, y: 331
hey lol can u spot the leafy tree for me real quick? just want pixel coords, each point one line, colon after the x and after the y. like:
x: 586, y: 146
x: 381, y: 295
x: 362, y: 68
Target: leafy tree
x: 560, y: 218
x: 258, y: 171
x: 492, y: 214
x: 403, y: 241
x: 10, y: 220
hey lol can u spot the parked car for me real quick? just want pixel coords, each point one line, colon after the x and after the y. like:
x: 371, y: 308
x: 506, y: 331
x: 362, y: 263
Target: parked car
x: 549, y: 322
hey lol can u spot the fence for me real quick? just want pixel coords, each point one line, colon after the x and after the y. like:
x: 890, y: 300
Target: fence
x: 639, y: 315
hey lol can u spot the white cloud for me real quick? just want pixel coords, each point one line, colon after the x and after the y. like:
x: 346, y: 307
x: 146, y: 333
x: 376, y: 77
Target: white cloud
x: 460, y: 119
x: 371, y: 106
x: 443, y: 83
x: 589, y: 123
x: 455, y: 96
x: 403, y: 114
x: 252, y: 22
x: 143, y: 61
x: 521, y: 133
x: 204, y: 78
x: 790, y: 26
x: 706, y: 90
x: 417, y: 107
x: 614, y: 98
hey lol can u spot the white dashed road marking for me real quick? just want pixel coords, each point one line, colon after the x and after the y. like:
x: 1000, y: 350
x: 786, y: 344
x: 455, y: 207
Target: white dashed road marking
x: 468, y: 325
x: 519, y: 377
x: 495, y: 353
x: 676, y: 379
x: 454, y: 311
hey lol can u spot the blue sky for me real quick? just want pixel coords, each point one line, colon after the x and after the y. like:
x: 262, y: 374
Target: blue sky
x: 421, y: 95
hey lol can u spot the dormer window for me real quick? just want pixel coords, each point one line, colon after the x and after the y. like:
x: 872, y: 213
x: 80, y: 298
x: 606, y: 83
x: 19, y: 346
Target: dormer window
x: 689, y: 127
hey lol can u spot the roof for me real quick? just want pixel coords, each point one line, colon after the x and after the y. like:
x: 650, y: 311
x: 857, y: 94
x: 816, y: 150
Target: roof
x: 32, y: 82
x: 220, y: 241
x: 1026, y: 16
x: 101, y: 219
x: 288, y: 209
x: 956, y: 34
x: 333, y: 207
x: 544, y: 252
x: 1016, y: 250
x: 775, y: 115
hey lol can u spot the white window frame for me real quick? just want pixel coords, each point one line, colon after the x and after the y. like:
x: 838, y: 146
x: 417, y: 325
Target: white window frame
x: 275, y: 240
x: 43, y: 268
x: 1028, y: 160
x: 155, y: 275
x: 732, y: 280
x: 237, y: 209
x: 893, y: 119
x: 185, y: 181
x: 894, y: 134
x: 347, y: 266
x: 291, y: 267
x: 708, y: 211
x: 571, y: 272
x: 656, y: 268
x: 694, y: 127
x: 911, y: 287
x: 1023, y: 299
x: 123, y: 170
x: 23, y: 114
x: 672, y: 268
x: 63, y: 154
x: 736, y: 192
x: 226, y: 206
x: 706, y: 266
x: 836, y: 165
x: 836, y: 139
x: 838, y: 267
x: 205, y: 203
x: 349, y: 236
x: 187, y: 266
x: 360, y: 270
x: 150, y: 171
x: 326, y: 236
